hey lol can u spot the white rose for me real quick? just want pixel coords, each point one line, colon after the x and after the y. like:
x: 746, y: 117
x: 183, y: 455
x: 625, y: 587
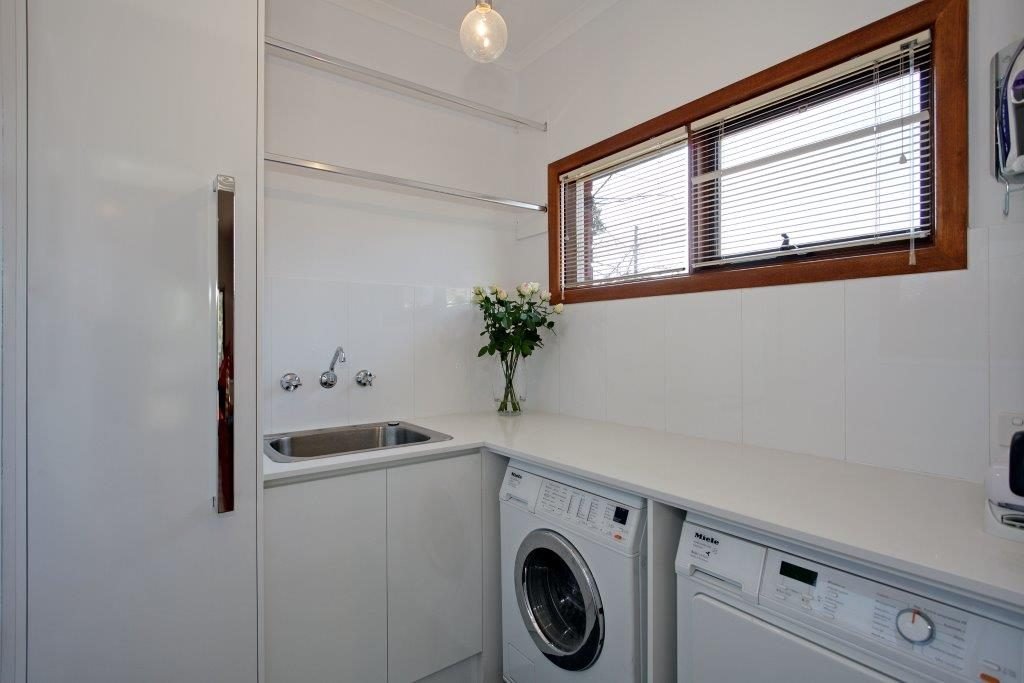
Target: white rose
x: 534, y: 287
x: 494, y: 289
x: 502, y: 295
x: 478, y: 291
x: 559, y: 308
x: 478, y: 298
x: 545, y: 296
x: 523, y: 289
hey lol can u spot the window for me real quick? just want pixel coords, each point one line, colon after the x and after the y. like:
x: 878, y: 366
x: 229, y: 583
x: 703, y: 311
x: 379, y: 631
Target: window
x: 837, y: 164
x: 626, y: 219
x: 847, y: 161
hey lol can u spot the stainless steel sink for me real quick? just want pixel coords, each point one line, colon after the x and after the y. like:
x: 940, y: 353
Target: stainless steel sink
x: 324, y: 443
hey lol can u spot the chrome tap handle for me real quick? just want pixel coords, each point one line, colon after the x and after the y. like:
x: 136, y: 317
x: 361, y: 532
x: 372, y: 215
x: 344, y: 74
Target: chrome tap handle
x: 329, y: 378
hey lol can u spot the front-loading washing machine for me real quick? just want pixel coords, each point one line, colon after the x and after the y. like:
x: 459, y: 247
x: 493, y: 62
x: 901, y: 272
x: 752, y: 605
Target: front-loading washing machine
x: 572, y: 579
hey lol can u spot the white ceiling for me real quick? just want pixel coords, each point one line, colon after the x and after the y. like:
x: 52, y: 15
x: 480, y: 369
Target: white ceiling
x: 534, y: 26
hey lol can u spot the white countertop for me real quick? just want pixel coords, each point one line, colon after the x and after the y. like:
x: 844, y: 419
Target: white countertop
x: 927, y: 526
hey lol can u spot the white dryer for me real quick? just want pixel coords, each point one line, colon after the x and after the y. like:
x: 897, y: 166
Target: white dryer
x: 755, y: 608
x: 571, y: 579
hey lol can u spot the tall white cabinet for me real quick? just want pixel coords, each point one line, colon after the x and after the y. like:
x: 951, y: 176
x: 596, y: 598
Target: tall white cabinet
x: 134, y: 109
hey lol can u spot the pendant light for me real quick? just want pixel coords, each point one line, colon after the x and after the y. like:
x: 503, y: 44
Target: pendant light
x: 484, y: 34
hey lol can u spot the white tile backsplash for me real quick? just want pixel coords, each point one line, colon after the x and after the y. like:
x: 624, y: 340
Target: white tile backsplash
x: 542, y: 373
x: 420, y: 342
x: 583, y: 361
x: 381, y: 334
x: 893, y: 372
x: 1006, y: 325
x: 703, y: 365
x: 905, y: 372
x: 310, y: 320
x: 917, y: 369
x: 635, y: 385
x: 450, y: 378
x: 793, y: 394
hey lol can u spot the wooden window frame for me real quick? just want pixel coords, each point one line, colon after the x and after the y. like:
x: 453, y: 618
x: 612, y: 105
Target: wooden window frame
x: 946, y: 249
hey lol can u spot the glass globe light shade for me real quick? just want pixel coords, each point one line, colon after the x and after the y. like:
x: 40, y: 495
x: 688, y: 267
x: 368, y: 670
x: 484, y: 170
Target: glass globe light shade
x: 484, y: 34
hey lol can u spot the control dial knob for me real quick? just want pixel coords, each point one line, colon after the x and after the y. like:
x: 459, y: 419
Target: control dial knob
x: 915, y: 626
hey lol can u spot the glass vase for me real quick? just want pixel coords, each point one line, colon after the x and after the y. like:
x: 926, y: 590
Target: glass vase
x: 510, y: 385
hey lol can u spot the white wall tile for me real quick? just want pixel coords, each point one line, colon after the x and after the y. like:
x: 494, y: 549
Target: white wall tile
x: 380, y: 328
x: 636, y: 362
x: 917, y: 369
x: 542, y: 372
x: 323, y: 228
x: 309, y: 322
x: 793, y: 368
x: 703, y: 365
x: 449, y: 378
x: 582, y: 359
x: 1006, y: 325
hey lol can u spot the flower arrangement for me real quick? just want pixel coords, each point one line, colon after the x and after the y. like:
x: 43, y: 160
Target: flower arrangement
x: 512, y: 325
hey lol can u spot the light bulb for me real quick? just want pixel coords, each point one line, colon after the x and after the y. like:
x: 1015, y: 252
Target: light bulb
x: 484, y: 34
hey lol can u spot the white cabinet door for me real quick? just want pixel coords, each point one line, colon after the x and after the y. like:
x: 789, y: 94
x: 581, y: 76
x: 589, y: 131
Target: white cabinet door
x: 326, y: 580
x: 135, y: 107
x: 435, y: 569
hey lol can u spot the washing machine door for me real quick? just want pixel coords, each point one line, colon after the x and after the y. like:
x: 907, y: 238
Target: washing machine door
x: 559, y: 600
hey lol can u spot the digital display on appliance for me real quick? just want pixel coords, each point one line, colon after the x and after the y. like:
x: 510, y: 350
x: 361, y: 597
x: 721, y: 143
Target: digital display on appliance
x: 620, y: 516
x: 800, y: 574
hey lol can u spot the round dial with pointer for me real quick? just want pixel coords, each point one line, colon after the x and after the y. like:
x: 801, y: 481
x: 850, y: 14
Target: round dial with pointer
x: 915, y: 626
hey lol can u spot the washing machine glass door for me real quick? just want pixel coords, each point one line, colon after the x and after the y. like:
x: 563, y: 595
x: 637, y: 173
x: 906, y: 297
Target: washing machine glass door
x: 559, y: 600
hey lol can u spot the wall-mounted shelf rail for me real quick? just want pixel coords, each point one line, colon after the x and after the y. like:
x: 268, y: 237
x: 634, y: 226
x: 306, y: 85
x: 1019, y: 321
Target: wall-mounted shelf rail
x: 319, y: 60
x: 403, y: 182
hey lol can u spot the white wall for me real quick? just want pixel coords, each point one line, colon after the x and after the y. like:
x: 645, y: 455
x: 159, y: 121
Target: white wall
x: 385, y: 274
x: 906, y: 372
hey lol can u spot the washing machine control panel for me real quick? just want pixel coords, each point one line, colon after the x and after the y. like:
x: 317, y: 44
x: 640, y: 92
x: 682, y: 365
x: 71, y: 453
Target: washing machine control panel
x: 909, y: 626
x: 610, y: 522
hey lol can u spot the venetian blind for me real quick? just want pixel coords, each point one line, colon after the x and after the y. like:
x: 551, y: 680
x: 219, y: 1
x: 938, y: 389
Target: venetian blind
x: 840, y: 160
x: 625, y: 218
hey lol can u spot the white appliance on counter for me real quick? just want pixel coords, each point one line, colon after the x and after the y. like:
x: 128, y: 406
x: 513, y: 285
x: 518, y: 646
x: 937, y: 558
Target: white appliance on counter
x: 750, y: 610
x: 1004, y: 489
x: 571, y: 579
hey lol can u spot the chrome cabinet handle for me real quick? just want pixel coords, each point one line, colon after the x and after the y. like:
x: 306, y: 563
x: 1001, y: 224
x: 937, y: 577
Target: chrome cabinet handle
x: 224, y: 188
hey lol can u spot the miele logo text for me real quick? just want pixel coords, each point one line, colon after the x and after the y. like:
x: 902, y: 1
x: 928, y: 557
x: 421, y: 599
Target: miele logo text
x: 708, y: 539
x: 516, y: 475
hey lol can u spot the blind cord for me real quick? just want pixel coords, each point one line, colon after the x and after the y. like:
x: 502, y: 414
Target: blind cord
x: 903, y: 160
